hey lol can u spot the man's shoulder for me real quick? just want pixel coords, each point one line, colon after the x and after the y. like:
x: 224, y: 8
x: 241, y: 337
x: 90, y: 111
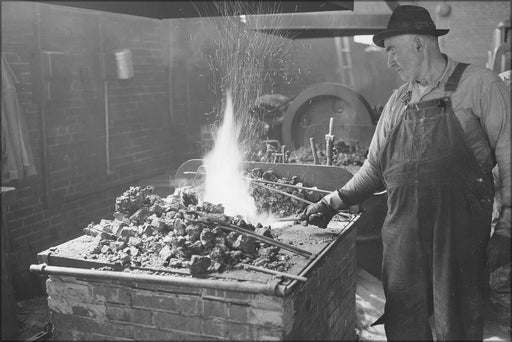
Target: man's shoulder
x: 479, y: 74
x: 399, y: 92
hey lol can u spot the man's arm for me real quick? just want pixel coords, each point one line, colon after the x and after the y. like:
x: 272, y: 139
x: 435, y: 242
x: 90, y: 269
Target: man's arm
x: 495, y: 118
x: 368, y: 179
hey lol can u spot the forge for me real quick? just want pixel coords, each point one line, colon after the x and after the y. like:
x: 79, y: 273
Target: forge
x: 91, y: 299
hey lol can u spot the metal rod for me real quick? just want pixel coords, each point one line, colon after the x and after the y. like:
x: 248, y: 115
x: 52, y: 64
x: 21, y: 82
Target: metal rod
x: 227, y: 226
x: 288, y: 185
x: 266, y: 270
x: 313, y: 151
x: 270, y: 288
x: 285, y: 193
x: 287, y: 219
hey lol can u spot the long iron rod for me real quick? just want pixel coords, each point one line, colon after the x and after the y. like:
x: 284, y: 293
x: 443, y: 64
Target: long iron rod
x: 266, y: 270
x: 270, y: 182
x: 288, y: 185
x: 227, y: 226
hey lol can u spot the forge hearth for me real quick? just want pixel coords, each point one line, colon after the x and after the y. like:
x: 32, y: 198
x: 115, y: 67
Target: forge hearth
x: 88, y: 303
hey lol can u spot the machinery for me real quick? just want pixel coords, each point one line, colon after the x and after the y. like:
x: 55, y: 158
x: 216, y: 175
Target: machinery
x: 309, y: 113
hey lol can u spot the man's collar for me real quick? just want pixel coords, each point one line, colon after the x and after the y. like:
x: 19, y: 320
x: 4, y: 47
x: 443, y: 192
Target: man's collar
x: 448, y: 69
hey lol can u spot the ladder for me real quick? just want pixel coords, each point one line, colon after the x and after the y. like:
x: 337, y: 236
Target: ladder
x: 344, y: 60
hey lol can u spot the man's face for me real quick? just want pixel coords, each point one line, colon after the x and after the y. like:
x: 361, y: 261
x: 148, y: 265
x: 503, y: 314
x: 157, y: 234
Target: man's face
x: 403, y: 56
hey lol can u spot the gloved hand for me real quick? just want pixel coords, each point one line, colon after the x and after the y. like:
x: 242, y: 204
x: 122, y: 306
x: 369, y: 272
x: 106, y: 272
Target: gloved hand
x: 499, y: 247
x: 321, y: 212
x: 318, y: 214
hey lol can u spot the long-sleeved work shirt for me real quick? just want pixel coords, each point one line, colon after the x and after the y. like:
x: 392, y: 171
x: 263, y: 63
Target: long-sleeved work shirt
x: 482, y: 105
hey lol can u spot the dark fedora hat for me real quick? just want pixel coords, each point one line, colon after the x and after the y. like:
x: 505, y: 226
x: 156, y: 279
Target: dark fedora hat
x: 408, y: 19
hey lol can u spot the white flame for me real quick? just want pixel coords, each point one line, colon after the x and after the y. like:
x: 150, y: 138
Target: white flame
x: 224, y: 182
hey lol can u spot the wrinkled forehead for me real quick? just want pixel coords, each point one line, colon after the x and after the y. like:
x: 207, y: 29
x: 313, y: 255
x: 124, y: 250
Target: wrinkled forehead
x: 397, y: 41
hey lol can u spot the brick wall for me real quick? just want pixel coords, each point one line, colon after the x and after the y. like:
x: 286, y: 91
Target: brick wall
x: 471, y: 24
x: 323, y: 308
x: 72, y: 187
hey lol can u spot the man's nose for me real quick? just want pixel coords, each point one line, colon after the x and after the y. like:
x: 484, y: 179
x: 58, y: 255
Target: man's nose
x: 391, y: 61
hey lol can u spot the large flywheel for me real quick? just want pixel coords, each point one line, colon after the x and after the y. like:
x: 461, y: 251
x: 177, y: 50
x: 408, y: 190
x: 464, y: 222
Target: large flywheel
x: 308, y: 115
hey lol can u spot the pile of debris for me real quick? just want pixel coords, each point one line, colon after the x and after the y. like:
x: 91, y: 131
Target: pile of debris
x: 149, y: 232
x: 344, y: 154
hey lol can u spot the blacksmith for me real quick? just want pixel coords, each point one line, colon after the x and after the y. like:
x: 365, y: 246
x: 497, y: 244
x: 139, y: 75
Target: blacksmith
x: 437, y: 140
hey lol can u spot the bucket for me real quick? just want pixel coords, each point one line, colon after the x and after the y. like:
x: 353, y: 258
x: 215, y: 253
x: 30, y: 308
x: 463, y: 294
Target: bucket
x: 124, y: 65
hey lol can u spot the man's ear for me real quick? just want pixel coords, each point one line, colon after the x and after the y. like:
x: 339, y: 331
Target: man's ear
x: 419, y: 43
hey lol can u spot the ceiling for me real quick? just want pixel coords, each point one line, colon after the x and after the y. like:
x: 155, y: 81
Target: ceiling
x: 206, y: 8
x: 320, y: 25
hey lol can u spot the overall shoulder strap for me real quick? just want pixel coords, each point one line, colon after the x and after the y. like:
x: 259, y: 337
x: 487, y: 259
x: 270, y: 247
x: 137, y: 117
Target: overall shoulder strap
x: 453, y: 80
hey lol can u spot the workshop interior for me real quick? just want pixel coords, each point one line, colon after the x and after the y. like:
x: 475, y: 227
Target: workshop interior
x: 157, y: 157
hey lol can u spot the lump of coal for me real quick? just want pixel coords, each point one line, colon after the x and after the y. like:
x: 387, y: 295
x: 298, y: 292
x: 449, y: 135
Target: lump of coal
x: 165, y: 253
x: 179, y: 227
x: 269, y: 175
x: 189, y: 197
x: 158, y: 223
x: 134, y: 241
x: 193, y: 231
x: 140, y: 215
x: 178, y: 241
x: 199, y: 265
x: 128, y: 231
x: 246, y: 244
x: 207, y: 237
x: 157, y: 209
x: 264, y: 231
x: 196, y: 248
x: 231, y: 239
x: 213, y: 208
x: 218, y: 253
x: 268, y: 252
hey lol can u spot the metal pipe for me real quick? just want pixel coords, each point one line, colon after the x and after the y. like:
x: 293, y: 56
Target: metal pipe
x: 266, y: 270
x: 230, y: 227
x: 283, y: 290
x: 267, y: 288
x: 329, y: 140
x: 313, y: 151
x: 287, y: 185
x: 42, y: 110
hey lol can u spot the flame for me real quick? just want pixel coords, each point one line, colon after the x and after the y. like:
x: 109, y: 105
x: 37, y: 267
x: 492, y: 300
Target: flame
x: 224, y: 182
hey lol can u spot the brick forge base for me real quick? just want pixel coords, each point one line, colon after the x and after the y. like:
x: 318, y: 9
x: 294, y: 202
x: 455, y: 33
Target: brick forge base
x: 323, y: 308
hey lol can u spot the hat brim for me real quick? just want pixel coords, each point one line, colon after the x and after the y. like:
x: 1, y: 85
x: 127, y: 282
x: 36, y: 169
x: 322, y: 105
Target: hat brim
x: 378, y: 39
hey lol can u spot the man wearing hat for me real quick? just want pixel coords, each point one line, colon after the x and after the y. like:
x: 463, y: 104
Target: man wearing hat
x: 436, y: 142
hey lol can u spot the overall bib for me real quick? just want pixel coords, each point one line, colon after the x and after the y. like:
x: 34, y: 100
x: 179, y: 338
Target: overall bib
x: 437, y: 226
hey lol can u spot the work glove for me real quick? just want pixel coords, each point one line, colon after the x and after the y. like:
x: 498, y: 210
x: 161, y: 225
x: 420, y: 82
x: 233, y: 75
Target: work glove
x: 498, y: 251
x: 321, y: 212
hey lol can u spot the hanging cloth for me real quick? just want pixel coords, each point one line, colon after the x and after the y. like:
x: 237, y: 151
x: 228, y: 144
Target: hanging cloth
x: 17, y: 157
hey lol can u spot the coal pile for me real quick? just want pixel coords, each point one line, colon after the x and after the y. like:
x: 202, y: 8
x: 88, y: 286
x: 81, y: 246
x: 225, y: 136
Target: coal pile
x: 275, y: 203
x: 149, y: 232
x: 344, y: 154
